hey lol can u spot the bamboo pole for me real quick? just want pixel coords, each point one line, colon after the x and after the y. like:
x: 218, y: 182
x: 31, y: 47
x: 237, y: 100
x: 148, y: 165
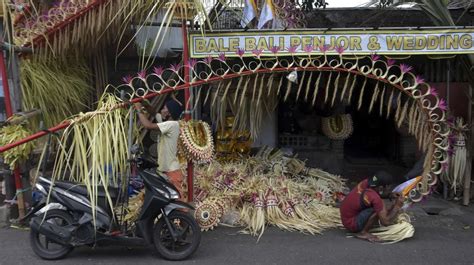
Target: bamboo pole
x: 187, y: 96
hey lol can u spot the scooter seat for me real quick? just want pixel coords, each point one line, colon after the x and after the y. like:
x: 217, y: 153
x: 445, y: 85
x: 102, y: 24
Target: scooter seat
x: 81, y: 189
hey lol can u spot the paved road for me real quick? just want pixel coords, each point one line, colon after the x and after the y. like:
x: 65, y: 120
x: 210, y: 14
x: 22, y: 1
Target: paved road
x: 438, y: 240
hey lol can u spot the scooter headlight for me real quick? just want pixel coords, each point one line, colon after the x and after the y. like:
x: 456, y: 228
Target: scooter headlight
x: 173, y: 193
x: 163, y: 192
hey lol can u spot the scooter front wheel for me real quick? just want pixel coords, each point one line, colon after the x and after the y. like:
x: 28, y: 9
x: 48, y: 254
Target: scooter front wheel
x: 41, y: 245
x: 188, y: 240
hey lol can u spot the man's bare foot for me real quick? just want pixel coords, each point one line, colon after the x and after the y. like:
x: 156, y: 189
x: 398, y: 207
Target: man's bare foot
x: 368, y: 236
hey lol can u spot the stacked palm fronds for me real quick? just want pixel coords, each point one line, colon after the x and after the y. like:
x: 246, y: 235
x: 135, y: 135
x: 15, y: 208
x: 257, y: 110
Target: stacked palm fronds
x: 11, y: 134
x: 58, y: 88
x: 290, y: 201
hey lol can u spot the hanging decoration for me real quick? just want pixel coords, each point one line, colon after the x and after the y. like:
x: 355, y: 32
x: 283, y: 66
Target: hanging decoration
x: 289, y: 14
x: 59, y: 28
x: 248, y: 111
x: 196, y: 142
x: 338, y: 127
x: 457, y: 155
x: 93, y: 150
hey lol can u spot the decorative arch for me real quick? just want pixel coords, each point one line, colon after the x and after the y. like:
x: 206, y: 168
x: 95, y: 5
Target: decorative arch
x: 430, y: 109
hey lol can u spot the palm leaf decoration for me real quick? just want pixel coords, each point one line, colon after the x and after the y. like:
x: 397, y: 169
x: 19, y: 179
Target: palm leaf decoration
x: 72, y: 27
x: 93, y: 150
x: 59, y: 88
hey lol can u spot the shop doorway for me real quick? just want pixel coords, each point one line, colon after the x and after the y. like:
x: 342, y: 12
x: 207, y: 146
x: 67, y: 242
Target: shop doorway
x: 373, y: 140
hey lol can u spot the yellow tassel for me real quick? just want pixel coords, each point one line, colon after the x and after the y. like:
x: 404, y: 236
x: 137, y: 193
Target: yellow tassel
x: 326, y: 94
x: 352, y: 89
x: 300, y: 86
x: 389, y: 104
x: 382, y: 97
x: 346, y: 84
x: 308, y: 87
x: 374, y: 97
x: 336, y: 87
x: 316, y: 88
x: 361, y: 96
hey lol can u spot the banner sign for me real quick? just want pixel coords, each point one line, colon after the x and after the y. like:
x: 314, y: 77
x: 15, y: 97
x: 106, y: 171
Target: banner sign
x: 394, y: 42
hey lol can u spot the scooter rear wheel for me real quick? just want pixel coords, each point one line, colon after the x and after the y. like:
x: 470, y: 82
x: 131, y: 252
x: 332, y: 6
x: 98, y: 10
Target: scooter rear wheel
x: 45, y: 248
x: 188, y: 240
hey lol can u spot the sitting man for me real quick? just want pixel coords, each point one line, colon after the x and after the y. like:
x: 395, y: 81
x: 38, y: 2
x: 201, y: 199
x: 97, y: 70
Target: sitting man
x: 363, y: 206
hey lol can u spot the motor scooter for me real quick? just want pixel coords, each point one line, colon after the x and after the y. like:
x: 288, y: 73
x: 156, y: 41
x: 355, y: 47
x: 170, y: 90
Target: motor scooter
x: 63, y: 218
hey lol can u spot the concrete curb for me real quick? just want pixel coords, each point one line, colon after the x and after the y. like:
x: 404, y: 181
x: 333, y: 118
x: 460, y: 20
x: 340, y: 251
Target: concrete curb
x: 4, y: 216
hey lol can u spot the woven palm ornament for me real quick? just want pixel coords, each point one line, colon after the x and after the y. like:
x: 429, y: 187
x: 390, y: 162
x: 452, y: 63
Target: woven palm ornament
x: 195, y: 141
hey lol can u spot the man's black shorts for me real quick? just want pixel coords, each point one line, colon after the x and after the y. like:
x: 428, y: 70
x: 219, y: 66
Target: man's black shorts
x: 363, y: 217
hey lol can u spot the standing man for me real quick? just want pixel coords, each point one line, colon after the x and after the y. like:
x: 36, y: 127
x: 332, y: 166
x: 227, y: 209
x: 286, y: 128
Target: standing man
x: 363, y: 207
x: 168, y: 162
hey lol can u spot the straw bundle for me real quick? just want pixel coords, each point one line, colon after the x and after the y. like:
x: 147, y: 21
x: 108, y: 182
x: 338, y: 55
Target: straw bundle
x: 402, y: 229
x: 11, y: 134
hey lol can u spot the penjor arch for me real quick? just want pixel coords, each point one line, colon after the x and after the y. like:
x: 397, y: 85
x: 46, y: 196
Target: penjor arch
x: 420, y: 104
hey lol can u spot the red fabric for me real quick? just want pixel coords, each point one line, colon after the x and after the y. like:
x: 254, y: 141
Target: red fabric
x: 351, y: 207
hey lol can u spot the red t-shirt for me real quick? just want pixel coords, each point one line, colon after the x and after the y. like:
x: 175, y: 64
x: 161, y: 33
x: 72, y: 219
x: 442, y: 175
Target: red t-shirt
x: 351, y: 207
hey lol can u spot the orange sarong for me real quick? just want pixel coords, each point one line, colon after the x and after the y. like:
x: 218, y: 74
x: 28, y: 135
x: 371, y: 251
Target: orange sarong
x: 176, y: 178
